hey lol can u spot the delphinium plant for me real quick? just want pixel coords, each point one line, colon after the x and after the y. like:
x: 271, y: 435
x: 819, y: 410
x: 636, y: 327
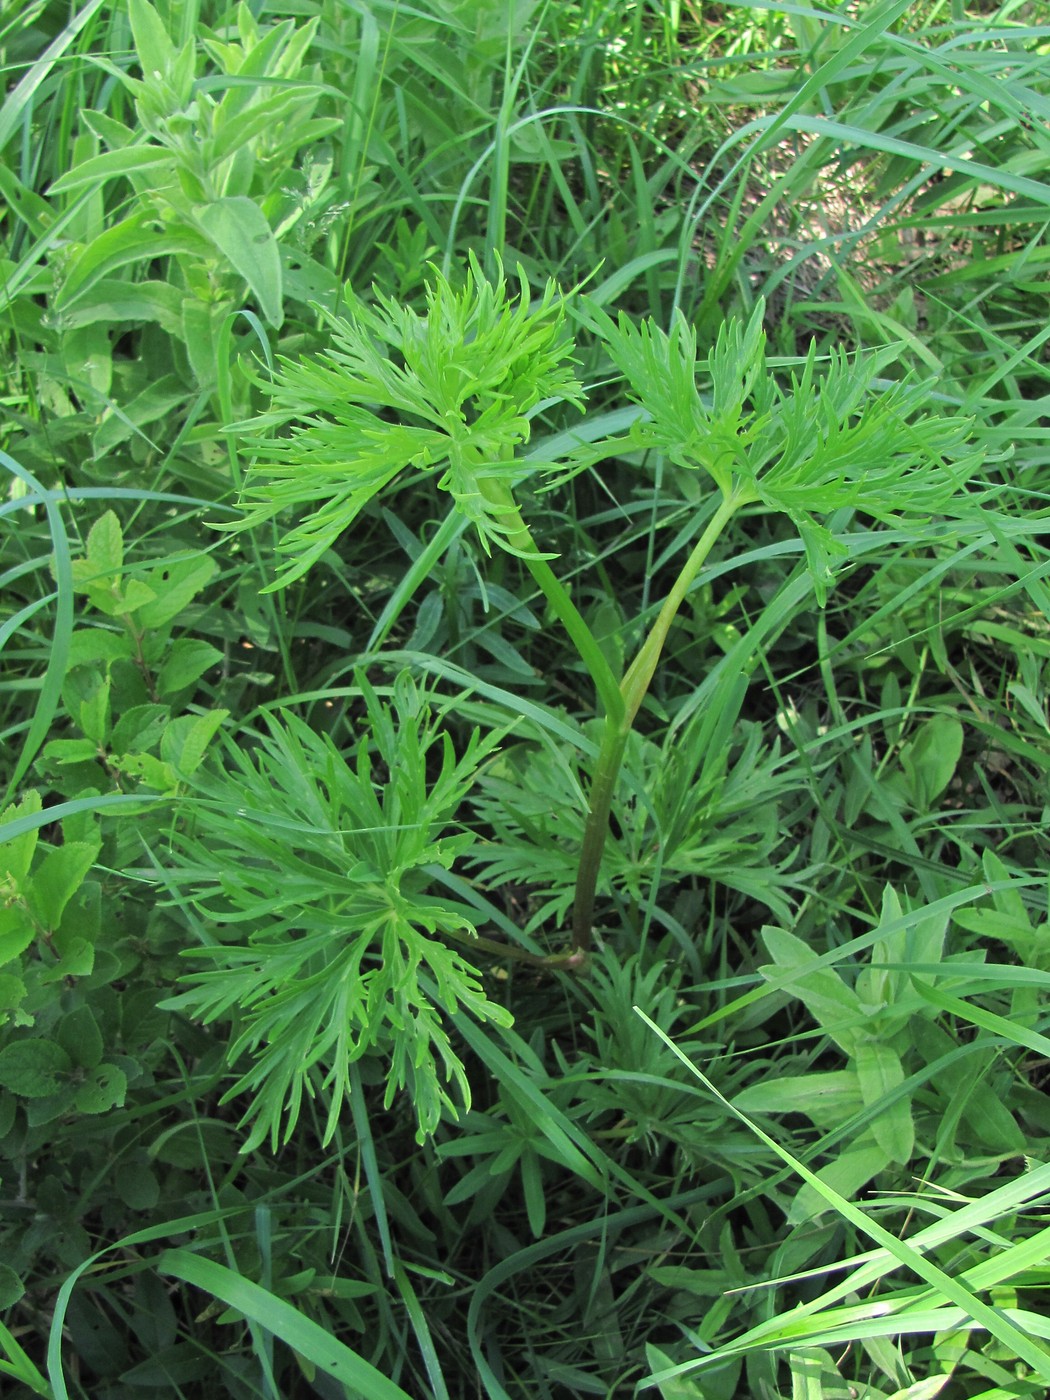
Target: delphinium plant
x: 452, y: 393
x: 347, y: 959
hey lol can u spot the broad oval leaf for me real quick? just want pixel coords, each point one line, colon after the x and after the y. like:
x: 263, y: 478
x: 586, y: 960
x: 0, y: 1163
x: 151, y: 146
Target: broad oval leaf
x: 240, y: 231
x: 34, y: 1068
x: 98, y: 169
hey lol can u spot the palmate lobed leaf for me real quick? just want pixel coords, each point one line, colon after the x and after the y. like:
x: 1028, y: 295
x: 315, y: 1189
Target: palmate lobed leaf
x: 838, y: 439
x: 314, y: 865
x: 660, y: 369
x: 451, y: 392
x: 459, y: 382
x: 716, y: 816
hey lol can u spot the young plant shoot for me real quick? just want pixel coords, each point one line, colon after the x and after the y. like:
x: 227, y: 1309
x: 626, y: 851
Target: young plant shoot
x: 452, y: 393
x: 351, y: 961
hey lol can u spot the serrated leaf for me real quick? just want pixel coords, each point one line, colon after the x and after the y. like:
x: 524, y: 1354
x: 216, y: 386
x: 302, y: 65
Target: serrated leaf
x: 77, y: 957
x: 16, y: 854
x: 186, y: 662
x: 34, y: 1069
x: 83, y: 915
x: 57, y: 879
x: 139, y: 729
x: 104, y: 1088
x: 94, y: 715
x: 186, y: 740
x: 12, y: 992
x: 62, y: 752
x: 102, y: 595
x: 17, y: 932
x: 11, y: 1287
x: 50, y: 1106
x: 137, y: 1185
x: 151, y: 771
x: 79, y: 1036
x: 175, y: 582
x: 242, y: 233
x: 135, y: 596
x: 105, y: 546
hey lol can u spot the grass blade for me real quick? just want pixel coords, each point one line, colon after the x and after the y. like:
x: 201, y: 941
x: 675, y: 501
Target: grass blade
x: 301, y: 1333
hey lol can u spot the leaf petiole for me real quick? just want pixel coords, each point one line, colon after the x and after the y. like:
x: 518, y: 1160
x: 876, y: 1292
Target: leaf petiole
x: 633, y: 689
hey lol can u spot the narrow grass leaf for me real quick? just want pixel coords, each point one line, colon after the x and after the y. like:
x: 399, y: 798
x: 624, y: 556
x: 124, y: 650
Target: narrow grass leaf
x: 54, y: 676
x: 990, y: 1318
x: 20, y: 1368
x: 987, y: 1020
x: 421, y: 568
x: 367, y: 1148
x: 21, y: 96
x: 417, y: 1317
x: 299, y: 1332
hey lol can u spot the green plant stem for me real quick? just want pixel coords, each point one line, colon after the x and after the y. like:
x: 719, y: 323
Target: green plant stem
x: 519, y: 539
x: 640, y: 673
x: 596, y: 829
x: 633, y: 689
x: 610, y: 696
x: 499, y: 949
x: 478, y: 942
x: 620, y: 701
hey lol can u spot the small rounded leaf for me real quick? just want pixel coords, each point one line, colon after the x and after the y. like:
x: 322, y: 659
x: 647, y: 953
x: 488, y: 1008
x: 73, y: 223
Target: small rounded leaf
x: 137, y: 1185
x: 103, y: 1089
x: 11, y: 1287
x: 80, y: 1037
x: 33, y: 1068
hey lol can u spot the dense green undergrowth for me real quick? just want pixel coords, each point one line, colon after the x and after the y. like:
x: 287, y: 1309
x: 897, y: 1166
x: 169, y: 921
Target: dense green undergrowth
x: 526, y: 654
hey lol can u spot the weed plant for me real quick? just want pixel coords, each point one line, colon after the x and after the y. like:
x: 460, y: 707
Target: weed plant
x: 523, y: 861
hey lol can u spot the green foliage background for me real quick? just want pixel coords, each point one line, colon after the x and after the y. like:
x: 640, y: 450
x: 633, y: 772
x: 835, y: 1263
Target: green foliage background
x: 333, y: 332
